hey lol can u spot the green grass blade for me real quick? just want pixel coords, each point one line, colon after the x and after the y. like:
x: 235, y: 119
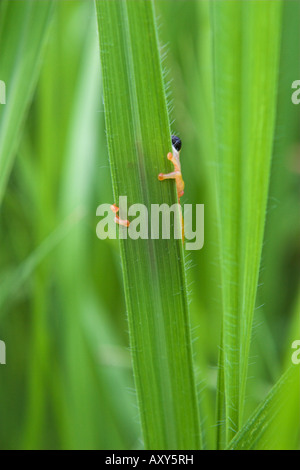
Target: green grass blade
x: 23, y: 31
x: 246, y: 55
x: 138, y: 135
x: 227, y: 63
x: 275, y: 424
x: 260, y: 83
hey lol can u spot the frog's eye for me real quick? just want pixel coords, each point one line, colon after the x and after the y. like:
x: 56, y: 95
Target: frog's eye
x: 176, y: 143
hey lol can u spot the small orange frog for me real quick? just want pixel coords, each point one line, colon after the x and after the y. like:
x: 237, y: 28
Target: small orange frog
x: 176, y: 175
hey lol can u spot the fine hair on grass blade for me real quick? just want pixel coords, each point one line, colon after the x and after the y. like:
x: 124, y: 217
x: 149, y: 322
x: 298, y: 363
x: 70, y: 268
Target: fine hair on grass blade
x: 275, y: 423
x: 138, y: 135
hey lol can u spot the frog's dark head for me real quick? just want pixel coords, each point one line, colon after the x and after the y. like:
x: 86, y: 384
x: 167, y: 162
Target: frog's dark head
x: 176, y: 143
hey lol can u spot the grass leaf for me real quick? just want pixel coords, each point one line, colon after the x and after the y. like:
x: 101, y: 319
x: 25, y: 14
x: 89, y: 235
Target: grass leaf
x: 246, y: 59
x: 266, y: 429
x: 138, y: 136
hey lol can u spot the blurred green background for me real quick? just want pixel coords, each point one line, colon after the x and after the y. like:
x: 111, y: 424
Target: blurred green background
x: 68, y: 380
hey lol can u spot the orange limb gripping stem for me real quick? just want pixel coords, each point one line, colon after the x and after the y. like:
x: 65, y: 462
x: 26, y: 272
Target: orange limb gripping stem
x: 176, y: 175
x: 119, y: 221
